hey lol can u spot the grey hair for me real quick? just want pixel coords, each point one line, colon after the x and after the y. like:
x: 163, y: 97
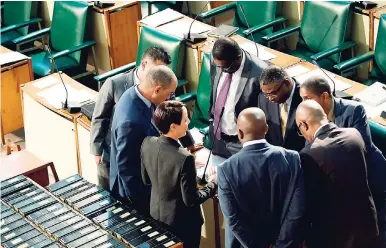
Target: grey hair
x: 273, y: 74
x: 160, y: 75
x: 317, y: 85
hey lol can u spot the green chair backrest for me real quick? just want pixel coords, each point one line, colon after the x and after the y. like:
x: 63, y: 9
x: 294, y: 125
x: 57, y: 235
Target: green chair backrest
x: 68, y: 27
x: 174, y: 46
x: 201, y: 108
x: 325, y: 25
x: 379, y: 67
x: 378, y: 136
x: 257, y: 12
x: 16, y: 12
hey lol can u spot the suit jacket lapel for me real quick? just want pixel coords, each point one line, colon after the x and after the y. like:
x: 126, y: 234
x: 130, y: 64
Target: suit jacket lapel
x: 296, y: 100
x: 244, y: 77
x: 337, y: 112
x: 215, y: 85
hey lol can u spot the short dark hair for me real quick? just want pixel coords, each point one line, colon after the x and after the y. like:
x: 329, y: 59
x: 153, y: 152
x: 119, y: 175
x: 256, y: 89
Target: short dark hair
x: 273, y: 74
x: 167, y: 113
x: 317, y: 85
x: 157, y: 53
x: 226, y: 49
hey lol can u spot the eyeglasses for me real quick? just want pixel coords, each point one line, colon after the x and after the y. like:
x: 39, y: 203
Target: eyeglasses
x: 223, y: 68
x: 300, y: 124
x: 274, y: 93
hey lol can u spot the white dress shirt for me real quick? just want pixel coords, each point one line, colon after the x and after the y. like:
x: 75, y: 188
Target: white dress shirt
x: 289, y: 100
x: 253, y: 142
x: 228, y: 121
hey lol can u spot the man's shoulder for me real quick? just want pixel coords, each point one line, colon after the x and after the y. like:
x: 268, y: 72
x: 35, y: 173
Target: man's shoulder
x: 256, y: 62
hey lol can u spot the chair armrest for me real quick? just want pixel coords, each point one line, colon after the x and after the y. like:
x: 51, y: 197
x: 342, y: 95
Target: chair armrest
x: 354, y: 62
x: 204, y: 130
x: 191, y: 96
x: 106, y: 75
x: 20, y: 25
x: 331, y: 51
x: 265, y: 25
x: 73, y: 49
x: 218, y: 11
x: 32, y: 36
x: 282, y: 33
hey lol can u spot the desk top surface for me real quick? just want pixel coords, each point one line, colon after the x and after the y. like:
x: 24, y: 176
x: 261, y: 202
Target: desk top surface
x: 379, y: 12
x: 32, y: 91
x: 7, y: 67
x: 116, y: 7
x: 19, y: 163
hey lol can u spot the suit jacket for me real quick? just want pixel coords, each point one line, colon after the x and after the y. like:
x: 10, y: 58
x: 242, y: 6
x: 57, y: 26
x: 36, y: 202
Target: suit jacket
x: 248, y: 87
x: 170, y: 169
x: 131, y: 125
x: 338, y: 200
x: 352, y: 114
x: 108, y: 96
x: 291, y: 140
x: 261, y: 195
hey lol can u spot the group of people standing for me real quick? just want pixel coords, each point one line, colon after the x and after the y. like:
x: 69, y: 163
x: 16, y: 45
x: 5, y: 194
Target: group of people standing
x: 301, y: 166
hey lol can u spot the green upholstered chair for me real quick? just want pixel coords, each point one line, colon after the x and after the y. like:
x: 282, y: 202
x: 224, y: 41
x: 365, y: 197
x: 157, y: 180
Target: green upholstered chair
x: 261, y: 17
x: 200, y: 117
x: 324, y: 33
x: 67, y: 41
x: 378, y: 135
x: 378, y: 56
x: 151, y: 7
x: 16, y: 19
x: 149, y: 37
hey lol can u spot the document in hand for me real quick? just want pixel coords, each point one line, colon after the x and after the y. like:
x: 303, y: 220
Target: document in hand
x: 162, y: 17
x: 373, y: 95
x: 201, y: 157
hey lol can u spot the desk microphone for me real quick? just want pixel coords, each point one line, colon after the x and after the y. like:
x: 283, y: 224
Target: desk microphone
x: 339, y: 94
x: 193, y: 37
x: 73, y: 107
x: 202, y: 180
x: 245, y: 17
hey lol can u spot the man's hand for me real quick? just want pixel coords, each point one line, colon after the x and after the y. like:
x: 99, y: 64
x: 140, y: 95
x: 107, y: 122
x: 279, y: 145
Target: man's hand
x: 98, y: 159
x: 213, y: 175
x: 195, y: 147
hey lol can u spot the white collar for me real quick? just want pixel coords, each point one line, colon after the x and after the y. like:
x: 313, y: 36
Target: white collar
x: 289, y: 100
x: 253, y: 142
x: 136, y: 78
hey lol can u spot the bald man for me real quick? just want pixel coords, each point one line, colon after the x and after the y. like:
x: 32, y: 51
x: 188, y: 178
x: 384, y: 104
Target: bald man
x: 340, y: 208
x: 132, y: 122
x: 260, y: 189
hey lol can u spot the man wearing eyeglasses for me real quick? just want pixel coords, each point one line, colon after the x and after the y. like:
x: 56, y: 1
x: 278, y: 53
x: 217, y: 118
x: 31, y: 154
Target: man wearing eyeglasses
x: 279, y: 99
x: 340, y: 208
x: 235, y: 84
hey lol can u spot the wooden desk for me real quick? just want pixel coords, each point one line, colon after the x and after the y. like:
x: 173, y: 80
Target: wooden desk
x: 119, y: 22
x: 25, y: 163
x: 379, y: 11
x: 51, y: 134
x: 12, y: 76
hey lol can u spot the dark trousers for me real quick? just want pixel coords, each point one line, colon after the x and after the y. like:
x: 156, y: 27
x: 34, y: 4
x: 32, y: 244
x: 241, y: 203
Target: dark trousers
x: 190, y: 236
x: 103, y: 171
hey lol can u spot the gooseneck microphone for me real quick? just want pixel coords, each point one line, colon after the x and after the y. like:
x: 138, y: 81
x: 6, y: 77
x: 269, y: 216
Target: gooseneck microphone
x: 193, y: 37
x: 65, y: 104
x: 245, y: 17
x: 202, y: 180
x: 339, y: 94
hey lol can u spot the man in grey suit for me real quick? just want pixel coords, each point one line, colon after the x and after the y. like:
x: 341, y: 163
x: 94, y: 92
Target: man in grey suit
x: 261, y: 190
x: 346, y: 113
x: 108, y: 97
x: 234, y: 77
x: 339, y: 205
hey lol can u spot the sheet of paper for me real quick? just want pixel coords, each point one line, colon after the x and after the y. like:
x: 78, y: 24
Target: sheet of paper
x: 372, y: 111
x: 179, y: 28
x: 201, y: 157
x: 296, y: 70
x: 11, y: 57
x: 45, y: 82
x: 162, y: 17
x: 56, y: 94
x: 263, y: 54
x: 339, y: 84
x: 198, y: 137
x: 373, y: 95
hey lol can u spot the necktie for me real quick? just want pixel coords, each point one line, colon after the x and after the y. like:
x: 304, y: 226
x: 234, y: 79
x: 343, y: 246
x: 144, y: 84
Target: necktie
x: 284, y: 118
x: 220, y: 103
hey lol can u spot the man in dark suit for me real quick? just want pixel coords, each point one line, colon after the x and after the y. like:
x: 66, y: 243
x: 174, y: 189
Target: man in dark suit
x: 260, y: 189
x: 279, y: 99
x: 235, y: 84
x: 170, y: 169
x: 108, y: 96
x: 346, y: 113
x: 340, y: 208
x: 132, y: 122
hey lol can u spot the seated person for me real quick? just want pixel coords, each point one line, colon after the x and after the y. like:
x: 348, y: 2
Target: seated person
x: 170, y: 169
